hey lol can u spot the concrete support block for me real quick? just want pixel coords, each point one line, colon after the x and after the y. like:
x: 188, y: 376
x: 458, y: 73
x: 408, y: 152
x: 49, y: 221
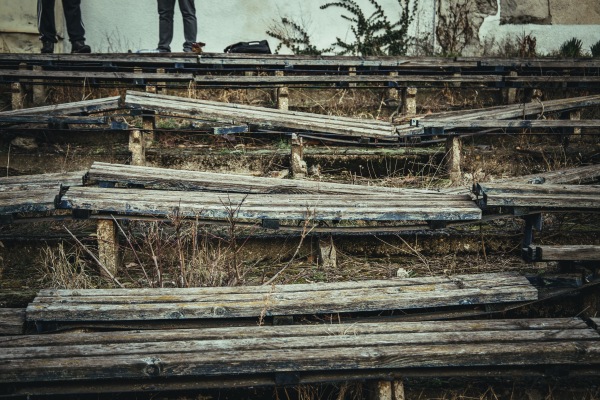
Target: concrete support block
x: 453, y: 159
x: 352, y: 72
x: 282, y: 95
x: 108, y: 245
x: 297, y: 163
x: 511, y: 93
x: 575, y: 116
x: 18, y: 96
x: 137, y: 147
x: 409, y: 101
x: 39, y: 90
x: 148, y: 127
x: 387, y: 390
x: 327, y: 253
x: 392, y: 93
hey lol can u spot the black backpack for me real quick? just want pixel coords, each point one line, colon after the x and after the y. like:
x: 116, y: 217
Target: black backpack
x: 257, y: 47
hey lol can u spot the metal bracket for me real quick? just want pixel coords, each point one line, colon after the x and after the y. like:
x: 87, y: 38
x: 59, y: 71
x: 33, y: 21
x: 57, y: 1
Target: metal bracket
x: 286, y: 378
x: 437, y: 224
x: 81, y: 214
x: 532, y: 221
x: 270, y: 223
x: 6, y: 219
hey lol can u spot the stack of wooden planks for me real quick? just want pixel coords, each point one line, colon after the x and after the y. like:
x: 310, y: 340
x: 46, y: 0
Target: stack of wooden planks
x: 270, y: 355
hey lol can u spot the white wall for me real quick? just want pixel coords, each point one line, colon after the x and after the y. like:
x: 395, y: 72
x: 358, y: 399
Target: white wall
x: 134, y: 24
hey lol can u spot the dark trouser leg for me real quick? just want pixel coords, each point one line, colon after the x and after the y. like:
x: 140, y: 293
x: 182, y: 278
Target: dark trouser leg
x: 166, y: 9
x: 74, y: 22
x: 46, y: 23
x: 190, y: 24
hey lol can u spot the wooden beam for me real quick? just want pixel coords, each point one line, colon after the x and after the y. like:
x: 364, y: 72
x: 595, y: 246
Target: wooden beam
x: 282, y: 95
x: 137, y: 147
x: 454, y: 159
x: 568, y: 253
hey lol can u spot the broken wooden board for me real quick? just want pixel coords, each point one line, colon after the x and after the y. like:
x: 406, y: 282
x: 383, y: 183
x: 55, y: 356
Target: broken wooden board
x: 34, y: 193
x: 263, y: 117
x: 49, y: 119
x: 546, y: 197
x: 120, y: 175
x: 274, y: 206
x: 565, y: 253
x: 222, y: 354
x: 273, y: 300
x: 85, y: 107
x: 538, y: 125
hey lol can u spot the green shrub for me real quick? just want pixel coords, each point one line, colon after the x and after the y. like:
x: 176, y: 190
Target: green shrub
x: 572, y: 48
x: 595, y: 49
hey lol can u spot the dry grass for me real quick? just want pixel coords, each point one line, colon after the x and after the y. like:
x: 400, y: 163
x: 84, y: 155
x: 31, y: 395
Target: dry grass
x: 67, y: 269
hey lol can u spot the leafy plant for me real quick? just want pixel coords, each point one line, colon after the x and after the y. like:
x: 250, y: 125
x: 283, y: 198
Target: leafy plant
x: 375, y: 35
x: 572, y: 48
x: 293, y: 36
x: 595, y: 49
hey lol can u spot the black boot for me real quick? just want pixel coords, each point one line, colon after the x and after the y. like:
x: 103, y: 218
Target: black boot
x: 47, y: 47
x: 80, y: 47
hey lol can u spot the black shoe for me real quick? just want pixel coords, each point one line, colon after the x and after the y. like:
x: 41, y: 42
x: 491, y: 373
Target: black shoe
x: 80, y: 47
x: 47, y: 47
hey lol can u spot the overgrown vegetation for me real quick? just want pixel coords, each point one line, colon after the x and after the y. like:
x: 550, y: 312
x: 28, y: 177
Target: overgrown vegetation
x: 572, y: 48
x: 374, y: 34
x: 595, y: 49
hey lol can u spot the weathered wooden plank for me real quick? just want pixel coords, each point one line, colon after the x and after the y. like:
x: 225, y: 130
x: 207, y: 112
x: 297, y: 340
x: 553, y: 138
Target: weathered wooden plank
x: 228, y: 306
x: 85, y: 107
x: 487, y: 280
x: 547, y: 202
x: 48, y: 119
x: 572, y: 176
x: 596, y: 323
x: 235, y: 114
x: 273, y: 206
x: 162, y: 178
x: 117, y: 58
x: 511, y: 124
x: 34, y: 200
x: 517, y: 110
x: 568, y: 253
x: 12, y: 321
x: 51, y: 180
x: 332, y: 342
x: 306, y: 359
x: 313, y: 79
x: 83, y: 75
x: 306, y: 331
x: 538, y: 189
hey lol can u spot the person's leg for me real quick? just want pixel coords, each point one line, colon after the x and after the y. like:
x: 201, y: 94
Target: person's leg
x: 46, y: 23
x: 75, y: 26
x: 190, y: 24
x: 166, y: 10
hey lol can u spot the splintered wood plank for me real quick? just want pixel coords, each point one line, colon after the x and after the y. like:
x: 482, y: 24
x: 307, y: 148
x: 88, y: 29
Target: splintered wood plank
x: 572, y: 176
x: 24, y: 201
x: 26, y: 182
x: 85, y: 107
x: 539, y: 196
x: 12, y: 321
x: 234, y: 113
x: 135, y: 355
x: 113, y: 76
x: 512, y: 124
x: 157, y: 304
x: 568, y: 253
x: 312, y: 79
x: 307, y: 331
x: 516, y: 110
x: 163, y: 178
x: 272, y: 206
